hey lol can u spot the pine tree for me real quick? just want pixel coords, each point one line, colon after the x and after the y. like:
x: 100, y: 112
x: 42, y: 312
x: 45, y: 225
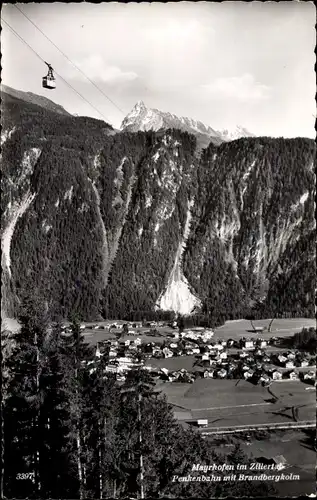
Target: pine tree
x: 6, y: 351
x: 77, y: 353
x: 57, y: 457
x: 22, y: 415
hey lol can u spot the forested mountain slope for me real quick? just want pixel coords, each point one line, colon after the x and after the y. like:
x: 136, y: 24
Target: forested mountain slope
x: 252, y: 240
x: 123, y: 224
x: 33, y: 99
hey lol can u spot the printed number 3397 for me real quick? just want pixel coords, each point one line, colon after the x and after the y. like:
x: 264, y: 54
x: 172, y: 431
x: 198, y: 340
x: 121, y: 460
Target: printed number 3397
x: 25, y: 475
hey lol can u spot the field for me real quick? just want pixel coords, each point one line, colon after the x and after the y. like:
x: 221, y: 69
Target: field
x: 175, y: 363
x: 230, y: 403
x: 93, y: 336
x: 280, y: 328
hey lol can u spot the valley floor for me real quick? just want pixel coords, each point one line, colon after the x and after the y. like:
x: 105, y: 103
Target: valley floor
x: 233, y: 404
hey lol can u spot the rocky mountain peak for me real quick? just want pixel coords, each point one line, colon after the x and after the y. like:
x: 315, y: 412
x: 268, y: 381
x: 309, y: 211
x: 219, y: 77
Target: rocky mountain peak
x: 235, y: 133
x: 142, y: 118
x: 140, y: 105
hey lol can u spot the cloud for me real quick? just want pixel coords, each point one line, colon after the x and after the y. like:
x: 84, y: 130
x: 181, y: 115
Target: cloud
x: 243, y: 88
x: 96, y: 69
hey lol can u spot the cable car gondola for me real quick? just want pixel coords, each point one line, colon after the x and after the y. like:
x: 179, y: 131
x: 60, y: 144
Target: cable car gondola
x: 48, y: 81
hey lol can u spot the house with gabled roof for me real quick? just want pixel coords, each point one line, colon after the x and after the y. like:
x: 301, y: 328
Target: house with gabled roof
x: 277, y: 375
x: 248, y: 344
x: 304, y: 363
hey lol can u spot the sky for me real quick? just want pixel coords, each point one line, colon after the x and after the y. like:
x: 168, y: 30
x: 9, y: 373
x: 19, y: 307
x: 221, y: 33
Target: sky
x: 224, y: 64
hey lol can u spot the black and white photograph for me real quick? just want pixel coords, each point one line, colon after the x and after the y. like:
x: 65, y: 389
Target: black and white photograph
x: 158, y: 250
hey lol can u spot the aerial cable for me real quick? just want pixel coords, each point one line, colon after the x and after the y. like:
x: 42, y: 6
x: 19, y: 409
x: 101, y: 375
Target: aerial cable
x: 66, y: 57
x: 68, y: 84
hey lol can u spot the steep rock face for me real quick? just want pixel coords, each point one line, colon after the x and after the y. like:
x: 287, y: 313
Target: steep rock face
x: 177, y: 296
x: 143, y: 118
x: 126, y: 223
x: 154, y: 225
x: 254, y: 211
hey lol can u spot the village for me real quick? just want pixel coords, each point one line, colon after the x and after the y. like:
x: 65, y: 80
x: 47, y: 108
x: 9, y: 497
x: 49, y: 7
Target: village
x: 258, y: 359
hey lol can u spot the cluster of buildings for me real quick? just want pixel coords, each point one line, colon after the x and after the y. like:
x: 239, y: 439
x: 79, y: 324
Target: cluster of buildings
x: 245, y: 358
x: 132, y: 326
x: 252, y: 362
x: 227, y: 359
x: 293, y: 359
x: 116, y: 357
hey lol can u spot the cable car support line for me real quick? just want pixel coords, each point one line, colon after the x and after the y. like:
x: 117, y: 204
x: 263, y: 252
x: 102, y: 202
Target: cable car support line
x: 68, y: 84
x: 68, y: 59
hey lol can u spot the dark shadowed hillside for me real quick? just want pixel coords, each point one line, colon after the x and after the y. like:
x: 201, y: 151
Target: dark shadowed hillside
x: 31, y: 98
x: 127, y: 223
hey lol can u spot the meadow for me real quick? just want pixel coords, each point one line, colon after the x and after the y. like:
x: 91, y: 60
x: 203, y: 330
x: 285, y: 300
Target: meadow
x: 238, y: 402
x: 280, y: 328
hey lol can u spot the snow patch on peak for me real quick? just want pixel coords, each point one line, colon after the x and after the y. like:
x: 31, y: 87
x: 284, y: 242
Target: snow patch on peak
x: 136, y: 116
x: 236, y: 133
x: 140, y: 105
x: 143, y: 118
